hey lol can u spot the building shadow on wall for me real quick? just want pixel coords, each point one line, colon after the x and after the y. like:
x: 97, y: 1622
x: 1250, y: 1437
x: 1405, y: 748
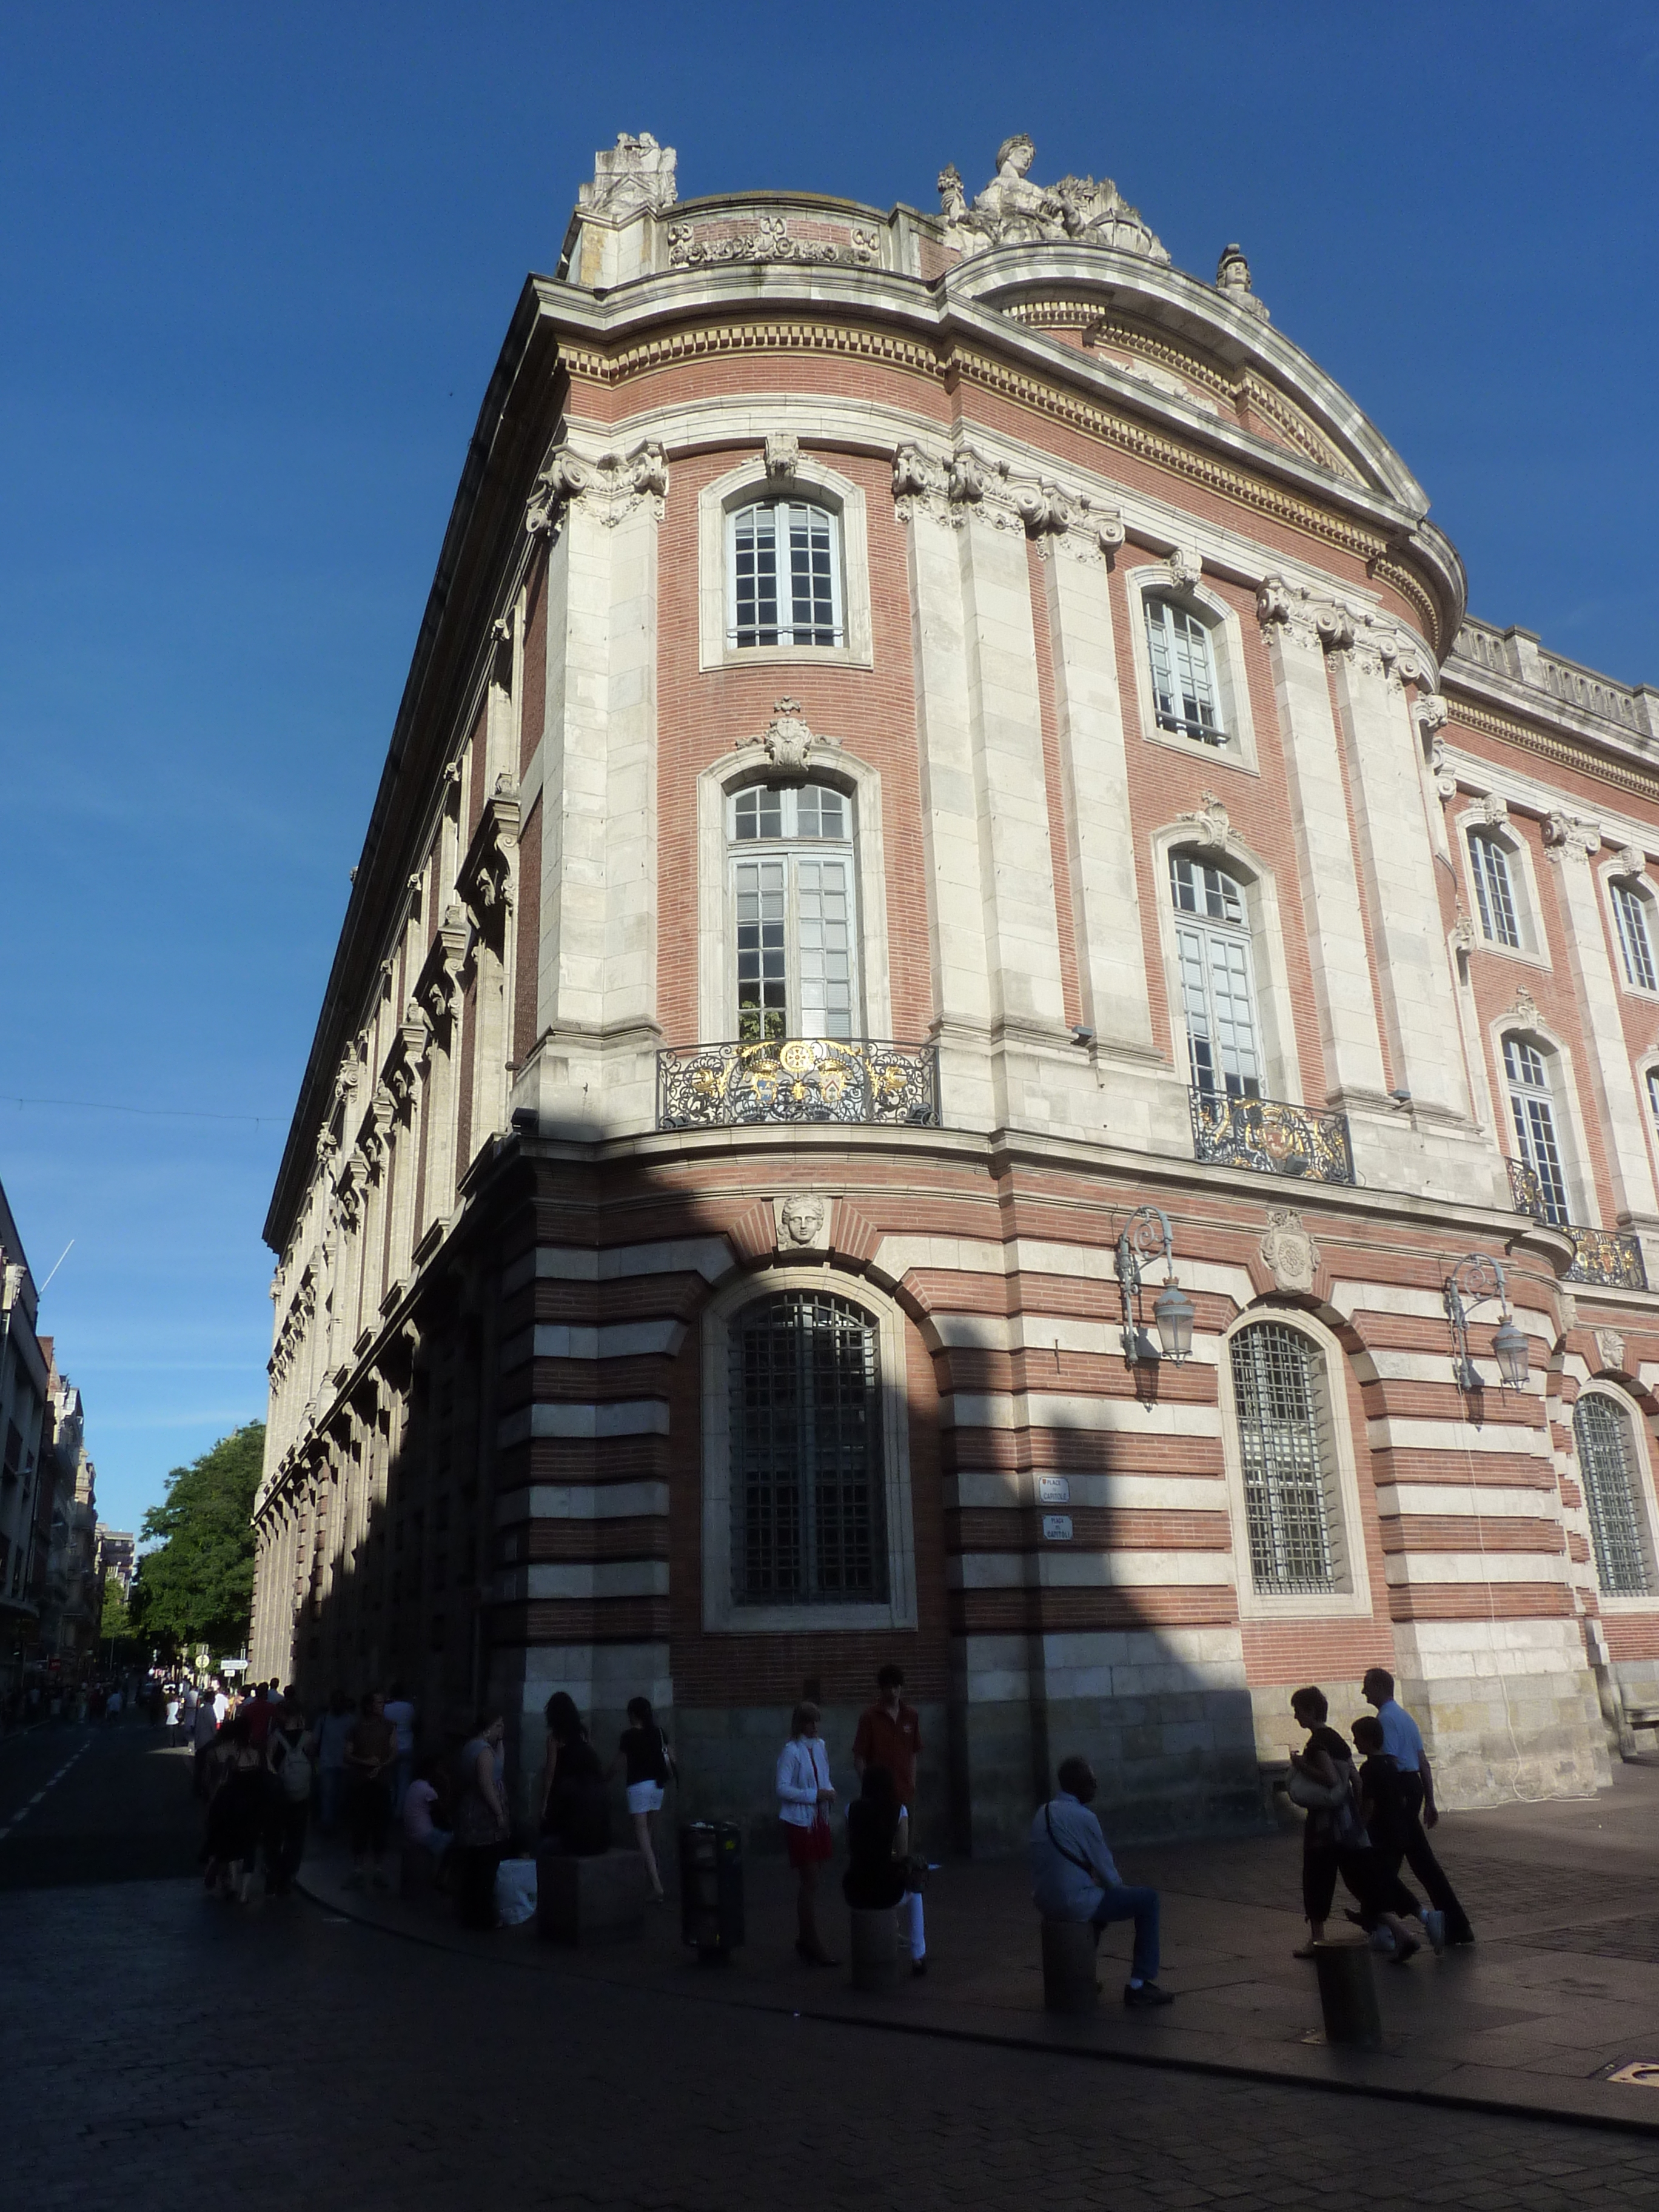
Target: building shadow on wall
x: 1026, y: 1647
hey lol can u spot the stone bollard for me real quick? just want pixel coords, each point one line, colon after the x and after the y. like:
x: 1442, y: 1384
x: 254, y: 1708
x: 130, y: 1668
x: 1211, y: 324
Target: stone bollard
x: 874, y: 1950
x: 1347, y: 1993
x: 1071, y: 1981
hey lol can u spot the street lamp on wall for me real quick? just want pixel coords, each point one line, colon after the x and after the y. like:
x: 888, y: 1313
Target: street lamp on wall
x: 1145, y: 1234
x: 1475, y: 1281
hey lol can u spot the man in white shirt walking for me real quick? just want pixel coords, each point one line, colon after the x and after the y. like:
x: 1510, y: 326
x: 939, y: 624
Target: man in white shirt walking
x: 1402, y: 1740
x: 1073, y: 1877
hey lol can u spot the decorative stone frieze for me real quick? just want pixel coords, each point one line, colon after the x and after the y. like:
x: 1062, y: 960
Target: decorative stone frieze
x: 953, y: 487
x: 1494, y: 810
x: 1289, y: 1252
x: 1524, y: 1011
x: 1013, y: 212
x: 1569, y: 836
x: 782, y: 452
x: 1631, y: 864
x: 1314, y: 618
x: 1185, y: 569
x: 438, y: 986
x: 771, y: 237
x: 616, y: 483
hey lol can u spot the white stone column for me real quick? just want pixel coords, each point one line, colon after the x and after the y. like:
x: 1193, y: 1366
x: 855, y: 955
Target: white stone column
x: 1319, y: 811
x: 956, y: 917
x: 1572, y: 844
x: 1005, y: 729
x: 596, y: 965
x: 1106, y: 903
x: 1412, y: 970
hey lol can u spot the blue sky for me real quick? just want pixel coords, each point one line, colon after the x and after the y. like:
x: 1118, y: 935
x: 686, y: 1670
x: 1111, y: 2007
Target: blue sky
x: 255, y: 266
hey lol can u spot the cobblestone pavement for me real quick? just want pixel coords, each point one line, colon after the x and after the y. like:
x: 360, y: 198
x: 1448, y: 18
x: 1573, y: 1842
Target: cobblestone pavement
x: 161, y: 2049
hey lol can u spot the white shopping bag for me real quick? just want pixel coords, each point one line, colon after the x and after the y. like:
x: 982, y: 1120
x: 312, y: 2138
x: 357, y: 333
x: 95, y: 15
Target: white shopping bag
x: 515, y: 1892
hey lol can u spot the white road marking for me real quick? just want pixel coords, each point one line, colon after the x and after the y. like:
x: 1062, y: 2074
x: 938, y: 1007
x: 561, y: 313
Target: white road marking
x: 18, y: 1819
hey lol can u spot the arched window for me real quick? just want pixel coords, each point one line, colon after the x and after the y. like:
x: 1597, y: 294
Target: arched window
x: 1494, y: 893
x: 1535, y: 1133
x: 1607, y: 1459
x: 1184, y: 691
x: 1630, y: 911
x: 1217, y: 991
x: 1653, y: 1097
x: 807, y: 1481
x: 784, y: 574
x: 794, y: 893
x: 1285, y: 1452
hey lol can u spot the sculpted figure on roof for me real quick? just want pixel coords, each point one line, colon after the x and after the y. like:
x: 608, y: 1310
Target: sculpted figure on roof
x: 1011, y: 211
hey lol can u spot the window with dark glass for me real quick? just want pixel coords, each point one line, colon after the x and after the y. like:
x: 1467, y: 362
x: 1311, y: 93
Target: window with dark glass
x: 1183, y: 673
x: 1534, y: 1124
x: 793, y: 892
x: 1218, y: 995
x: 1607, y: 1459
x: 1284, y: 1444
x: 807, y: 1494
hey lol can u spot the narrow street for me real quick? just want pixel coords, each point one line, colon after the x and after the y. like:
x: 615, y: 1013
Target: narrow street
x: 162, y: 2050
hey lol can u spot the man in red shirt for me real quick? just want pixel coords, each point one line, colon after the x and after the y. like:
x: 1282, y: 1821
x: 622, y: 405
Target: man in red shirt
x: 890, y: 1735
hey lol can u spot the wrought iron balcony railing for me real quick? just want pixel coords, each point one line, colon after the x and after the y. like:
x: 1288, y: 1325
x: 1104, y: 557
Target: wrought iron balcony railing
x: 1609, y: 1256
x: 713, y: 1086
x: 1272, y: 1137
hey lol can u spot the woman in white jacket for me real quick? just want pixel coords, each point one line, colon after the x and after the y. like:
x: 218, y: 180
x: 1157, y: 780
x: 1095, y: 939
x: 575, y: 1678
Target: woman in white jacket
x: 805, y: 1797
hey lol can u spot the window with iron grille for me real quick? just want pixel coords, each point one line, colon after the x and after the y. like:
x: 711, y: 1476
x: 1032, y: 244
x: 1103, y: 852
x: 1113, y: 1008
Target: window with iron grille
x: 1283, y: 1448
x: 1534, y: 1124
x: 1630, y: 911
x: 806, y: 1456
x: 1493, y: 892
x: 1607, y: 1459
x: 1183, y: 673
x: 784, y: 576
x: 793, y: 887
x: 1218, y: 994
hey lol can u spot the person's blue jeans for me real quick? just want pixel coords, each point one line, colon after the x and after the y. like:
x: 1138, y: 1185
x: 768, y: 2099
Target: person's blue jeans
x: 1141, y: 1905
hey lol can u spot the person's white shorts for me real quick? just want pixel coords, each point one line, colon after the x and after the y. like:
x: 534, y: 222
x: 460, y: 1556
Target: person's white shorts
x: 645, y: 1797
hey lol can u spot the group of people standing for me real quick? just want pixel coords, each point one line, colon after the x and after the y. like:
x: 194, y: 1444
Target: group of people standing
x: 882, y: 1872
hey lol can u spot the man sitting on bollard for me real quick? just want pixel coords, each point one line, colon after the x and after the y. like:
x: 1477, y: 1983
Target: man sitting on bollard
x: 1074, y: 1878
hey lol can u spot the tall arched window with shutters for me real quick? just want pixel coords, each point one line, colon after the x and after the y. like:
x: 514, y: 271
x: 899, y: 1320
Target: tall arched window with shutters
x: 1612, y: 1493
x: 806, y: 1424
x: 1287, y: 1454
x: 795, y: 899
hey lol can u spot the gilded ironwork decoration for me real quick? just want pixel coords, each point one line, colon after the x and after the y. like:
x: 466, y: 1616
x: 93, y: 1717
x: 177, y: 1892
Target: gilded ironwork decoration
x: 1272, y: 1137
x: 1610, y: 1257
x: 798, y: 1079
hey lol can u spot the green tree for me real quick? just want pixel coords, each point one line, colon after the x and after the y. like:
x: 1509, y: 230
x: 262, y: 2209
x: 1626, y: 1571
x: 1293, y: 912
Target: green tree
x: 115, y: 1622
x: 197, y: 1587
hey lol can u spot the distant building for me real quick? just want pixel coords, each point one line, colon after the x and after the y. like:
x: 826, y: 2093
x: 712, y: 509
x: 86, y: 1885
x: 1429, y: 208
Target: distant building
x: 940, y: 744
x: 23, y: 1414
x: 71, y: 1600
x: 115, y: 1558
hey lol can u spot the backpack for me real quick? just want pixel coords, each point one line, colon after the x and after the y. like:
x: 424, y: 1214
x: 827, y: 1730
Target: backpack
x: 291, y: 1763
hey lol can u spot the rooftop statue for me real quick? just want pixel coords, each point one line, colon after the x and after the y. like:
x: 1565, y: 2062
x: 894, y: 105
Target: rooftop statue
x: 1011, y: 211
x: 1232, y: 281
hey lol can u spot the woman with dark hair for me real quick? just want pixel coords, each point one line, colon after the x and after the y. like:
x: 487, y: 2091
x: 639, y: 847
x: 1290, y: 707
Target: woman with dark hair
x: 805, y: 1797
x: 646, y: 1756
x: 236, y: 1815
x: 575, y: 1817
x: 877, y: 1879
x: 482, y: 1826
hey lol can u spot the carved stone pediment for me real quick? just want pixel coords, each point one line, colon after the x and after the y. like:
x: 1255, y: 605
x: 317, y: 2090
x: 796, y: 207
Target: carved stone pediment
x: 963, y: 485
x: 1209, y: 823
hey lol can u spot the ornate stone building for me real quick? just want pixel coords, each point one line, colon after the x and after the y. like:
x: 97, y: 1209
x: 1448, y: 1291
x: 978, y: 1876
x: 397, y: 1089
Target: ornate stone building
x: 940, y: 744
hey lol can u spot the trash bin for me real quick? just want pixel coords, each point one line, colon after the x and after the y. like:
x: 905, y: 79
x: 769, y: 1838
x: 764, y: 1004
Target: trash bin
x: 1347, y: 1993
x: 711, y: 1887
